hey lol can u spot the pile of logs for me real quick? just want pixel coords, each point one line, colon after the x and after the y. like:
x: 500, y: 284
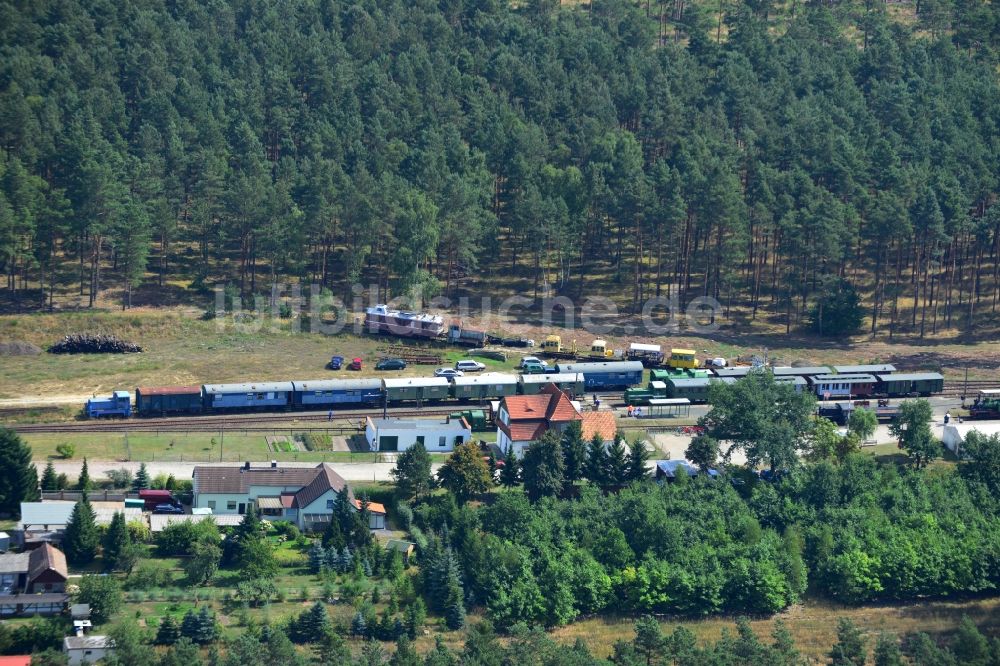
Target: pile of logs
x: 93, y: 343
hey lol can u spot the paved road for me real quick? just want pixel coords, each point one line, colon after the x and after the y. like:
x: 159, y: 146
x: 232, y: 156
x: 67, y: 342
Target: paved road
x: 354, y: 472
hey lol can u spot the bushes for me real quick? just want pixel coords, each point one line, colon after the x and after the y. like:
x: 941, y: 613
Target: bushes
x: 315, y: 441
x: 177, y: 538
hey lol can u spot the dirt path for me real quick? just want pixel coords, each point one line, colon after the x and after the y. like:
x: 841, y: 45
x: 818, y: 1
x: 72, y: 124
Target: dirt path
x: 36, y: 401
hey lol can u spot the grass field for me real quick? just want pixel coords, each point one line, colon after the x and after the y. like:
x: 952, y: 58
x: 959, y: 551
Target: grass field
x: 182, y: 349
x: 812, y: 624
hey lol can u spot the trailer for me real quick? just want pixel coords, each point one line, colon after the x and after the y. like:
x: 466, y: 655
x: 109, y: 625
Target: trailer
x: 648, y: 355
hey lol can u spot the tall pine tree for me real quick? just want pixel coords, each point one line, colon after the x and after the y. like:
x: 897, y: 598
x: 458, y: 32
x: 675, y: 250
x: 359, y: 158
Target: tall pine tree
x: 116, y: 540
x: 83, y: 482
x: 50, y: 482
x: 19, y: 480
x: 141, y: 481
x: 81, y: 538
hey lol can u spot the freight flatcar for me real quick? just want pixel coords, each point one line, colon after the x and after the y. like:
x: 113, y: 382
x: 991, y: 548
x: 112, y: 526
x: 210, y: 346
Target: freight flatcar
x: 260, y: 396
x: 164, y: 400
x: 605, y: 375
x: 322, y: 393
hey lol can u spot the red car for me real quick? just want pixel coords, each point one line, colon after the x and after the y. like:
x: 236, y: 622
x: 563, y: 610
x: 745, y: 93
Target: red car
x: 355, y: 364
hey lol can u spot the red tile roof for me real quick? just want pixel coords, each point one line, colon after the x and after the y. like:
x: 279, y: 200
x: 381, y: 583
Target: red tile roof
x: 17, y: 660
x: 599, y: 422
x: 373, y: 507
x: 531, y: 415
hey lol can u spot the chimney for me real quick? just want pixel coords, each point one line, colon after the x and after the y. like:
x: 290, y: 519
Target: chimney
x: 274, y: 463
x: 246, y: 465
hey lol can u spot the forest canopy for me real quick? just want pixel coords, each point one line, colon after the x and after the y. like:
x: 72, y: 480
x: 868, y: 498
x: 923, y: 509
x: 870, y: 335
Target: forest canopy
x: 761, y: 156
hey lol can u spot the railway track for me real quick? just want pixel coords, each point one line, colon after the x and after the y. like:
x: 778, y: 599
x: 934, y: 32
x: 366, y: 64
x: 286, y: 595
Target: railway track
x: 968, y: 389
x: 250, y: 422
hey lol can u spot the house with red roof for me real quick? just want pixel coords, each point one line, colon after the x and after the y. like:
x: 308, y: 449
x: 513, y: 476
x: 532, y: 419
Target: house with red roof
x: 522, y: 419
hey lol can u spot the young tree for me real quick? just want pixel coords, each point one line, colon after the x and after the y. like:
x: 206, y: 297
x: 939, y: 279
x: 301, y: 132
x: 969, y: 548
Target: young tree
x: 597, y: 456
x: 887, y: 652
x: 141, y: 481
x: 510, y: 474
x: 83, y: 482
x: 465, y: 473
x: 703, y: 452
x: 768, y: 420
x: 19, y: 480
x: 203, y: 562
x: 50, y: 481
x: 256, y: 559
x: 574, y: 451
x: 412, y: 472
x: 863, y: 423
x: 649, y: 639
x: 312, y: 626
x: 168, y: 632
x: 637, y: 458
x: 104, y: 595
x: 616, y: 463
x: 116, y: 540
x: 849, y: 650
x: 911, y: 426
x: 81, y: 538
x: 838, y: 311
x: 543, y: 467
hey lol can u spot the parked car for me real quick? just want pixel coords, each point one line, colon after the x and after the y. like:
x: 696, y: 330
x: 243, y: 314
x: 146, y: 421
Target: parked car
x: 533, y: 360
x: 336, y: 362
x: 534, y: 368
x: 391, y: 364
x: 470, y: 366
x: 168, y: 508
x: 448, y: 372
x: 355, y: 364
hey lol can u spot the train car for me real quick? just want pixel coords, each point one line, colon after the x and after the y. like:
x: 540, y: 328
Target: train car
x: 801, y: 372
x: 420, y: 389
x: 163, y: 400
x: 490, y: 385
x: 683, y: 358
x: 118, y: 403
x: 827, y: 387
x: 649, y: 355
x: 380, y: 319
x: 873, y: 369
x: 469, y: 337
x: 694, y: 389
x: 986, y: 405
x: 322, y: 393
x: 800, y: 383
x: 606, y: 375
x: 261, y: 395
x: 736, y: 372
x: 569, y: 382
x: 904, y: 384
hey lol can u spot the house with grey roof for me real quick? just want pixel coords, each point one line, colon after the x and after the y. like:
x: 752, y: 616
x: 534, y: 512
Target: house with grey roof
x: 33, y: 582
x: 86, y: 649
x: 302, y: 495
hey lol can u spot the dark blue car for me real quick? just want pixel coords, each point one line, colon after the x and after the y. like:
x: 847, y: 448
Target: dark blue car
x: 336, y: 362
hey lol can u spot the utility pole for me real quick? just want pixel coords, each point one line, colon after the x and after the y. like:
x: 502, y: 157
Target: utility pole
x: 965, y: 387
x: 222, y: 440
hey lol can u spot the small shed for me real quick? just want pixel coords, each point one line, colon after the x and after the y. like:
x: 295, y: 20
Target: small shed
x: 669, y: 470
x: 954, y: 434
x: 436, y: 435
x: 86, y: 649
x: 406, y: 548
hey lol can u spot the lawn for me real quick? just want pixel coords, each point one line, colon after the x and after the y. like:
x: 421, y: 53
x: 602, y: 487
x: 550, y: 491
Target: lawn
x: 231, y: 446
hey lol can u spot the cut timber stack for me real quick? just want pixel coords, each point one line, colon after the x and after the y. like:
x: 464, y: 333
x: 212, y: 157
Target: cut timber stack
x: 93, y: 343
